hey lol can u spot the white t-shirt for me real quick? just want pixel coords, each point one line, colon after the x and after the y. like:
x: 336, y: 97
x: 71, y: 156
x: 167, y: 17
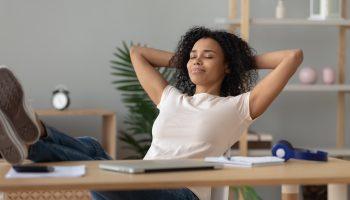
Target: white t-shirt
x: 197, y: 126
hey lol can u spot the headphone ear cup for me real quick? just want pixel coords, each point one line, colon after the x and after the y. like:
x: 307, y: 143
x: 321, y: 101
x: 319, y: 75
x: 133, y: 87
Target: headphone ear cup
x: 283, y: 149
x: 285, y: 142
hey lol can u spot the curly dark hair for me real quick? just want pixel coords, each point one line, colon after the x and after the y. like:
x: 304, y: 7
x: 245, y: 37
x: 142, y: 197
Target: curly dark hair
x: 237, y: 53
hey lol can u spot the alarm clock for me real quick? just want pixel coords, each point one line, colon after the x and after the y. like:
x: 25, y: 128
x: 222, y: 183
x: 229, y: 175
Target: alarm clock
x: 60, y: 97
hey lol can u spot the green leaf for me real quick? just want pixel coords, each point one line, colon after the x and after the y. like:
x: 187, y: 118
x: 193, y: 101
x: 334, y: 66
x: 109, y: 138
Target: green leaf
x: 126, y: 47
x: 121, y: 63
x: 130, y: 87
x: 125, y: 81
x: 235, y: 192
x: 123, y: 53
x: 122, y: 74
x: 124, y: 70
x: 125, y: 59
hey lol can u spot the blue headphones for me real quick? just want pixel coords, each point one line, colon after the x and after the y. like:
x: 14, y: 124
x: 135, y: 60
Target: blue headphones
x: 283, y: 149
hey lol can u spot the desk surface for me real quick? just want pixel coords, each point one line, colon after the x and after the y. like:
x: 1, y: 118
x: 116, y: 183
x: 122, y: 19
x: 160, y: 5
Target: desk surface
x: 292, y: 172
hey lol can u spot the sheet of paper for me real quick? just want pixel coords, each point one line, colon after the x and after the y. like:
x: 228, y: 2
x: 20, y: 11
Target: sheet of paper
x: 60, y: 171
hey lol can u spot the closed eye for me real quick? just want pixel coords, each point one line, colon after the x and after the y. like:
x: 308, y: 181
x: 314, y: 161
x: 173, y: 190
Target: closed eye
x: 206, y: 56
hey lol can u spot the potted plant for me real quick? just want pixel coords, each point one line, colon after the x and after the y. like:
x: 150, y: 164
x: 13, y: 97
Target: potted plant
x: 141, y: 110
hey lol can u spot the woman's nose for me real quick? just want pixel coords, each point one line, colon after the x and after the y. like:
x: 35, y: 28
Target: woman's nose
x: 198, y: 61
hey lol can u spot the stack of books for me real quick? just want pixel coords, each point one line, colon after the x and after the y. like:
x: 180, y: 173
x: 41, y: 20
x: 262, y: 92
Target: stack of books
x: 257, y: 140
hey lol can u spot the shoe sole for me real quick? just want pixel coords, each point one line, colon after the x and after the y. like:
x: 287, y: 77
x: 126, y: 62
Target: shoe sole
x: 11, y: 149
x: 13, y: 106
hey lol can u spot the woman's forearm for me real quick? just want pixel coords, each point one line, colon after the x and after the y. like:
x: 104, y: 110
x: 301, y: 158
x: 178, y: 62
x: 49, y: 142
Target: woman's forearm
x: 157, y: 58
x: 271, y: 60
x: 273, y: 83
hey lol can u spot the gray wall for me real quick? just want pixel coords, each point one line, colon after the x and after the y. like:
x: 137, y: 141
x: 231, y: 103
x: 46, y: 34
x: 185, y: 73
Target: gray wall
x: 71, y: 42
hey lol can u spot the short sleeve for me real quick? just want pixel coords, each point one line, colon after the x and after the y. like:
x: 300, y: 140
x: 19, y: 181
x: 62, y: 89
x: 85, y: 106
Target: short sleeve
x: 164, y: 96
x: 241, y: 104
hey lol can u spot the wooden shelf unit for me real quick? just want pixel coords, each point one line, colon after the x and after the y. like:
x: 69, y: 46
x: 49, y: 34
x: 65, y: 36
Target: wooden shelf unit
x: 287, y: 21
x: 317, y: 88
x: 109, y: 126
x: 290, y: 192
x: 244, y: 23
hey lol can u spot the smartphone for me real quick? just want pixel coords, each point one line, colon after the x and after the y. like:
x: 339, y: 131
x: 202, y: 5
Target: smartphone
x: 32, y: 169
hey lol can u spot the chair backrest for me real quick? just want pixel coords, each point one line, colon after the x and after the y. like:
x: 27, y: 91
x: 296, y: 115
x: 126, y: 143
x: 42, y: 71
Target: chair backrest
x: 220, y: 193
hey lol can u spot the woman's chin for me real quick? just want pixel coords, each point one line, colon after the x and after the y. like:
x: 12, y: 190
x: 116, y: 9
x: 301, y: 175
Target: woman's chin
x: 198, y: 81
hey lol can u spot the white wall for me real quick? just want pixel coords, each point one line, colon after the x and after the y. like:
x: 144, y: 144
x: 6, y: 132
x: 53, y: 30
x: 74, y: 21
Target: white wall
x: 71, y: 42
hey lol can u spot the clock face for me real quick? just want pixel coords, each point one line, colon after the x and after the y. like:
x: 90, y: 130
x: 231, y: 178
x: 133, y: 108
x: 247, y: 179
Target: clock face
x: 60, y: 100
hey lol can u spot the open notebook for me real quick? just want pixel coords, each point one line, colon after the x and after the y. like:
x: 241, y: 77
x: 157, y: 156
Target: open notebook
x: 242, y: 161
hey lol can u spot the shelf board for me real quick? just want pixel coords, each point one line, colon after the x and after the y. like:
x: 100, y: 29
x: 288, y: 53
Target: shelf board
x: 73, y: 112
x: 290, y: 21
x: 332, y: 152
x: 317, y: 88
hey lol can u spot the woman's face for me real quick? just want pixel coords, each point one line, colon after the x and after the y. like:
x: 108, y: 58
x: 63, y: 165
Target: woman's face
x: 206, y: 66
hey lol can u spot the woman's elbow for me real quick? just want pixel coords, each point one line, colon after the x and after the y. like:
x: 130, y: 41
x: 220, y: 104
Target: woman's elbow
x: 135, y: 53
x: 297, y: 55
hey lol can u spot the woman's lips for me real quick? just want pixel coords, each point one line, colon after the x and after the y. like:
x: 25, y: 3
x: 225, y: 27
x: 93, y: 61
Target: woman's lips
x: 197, y: 70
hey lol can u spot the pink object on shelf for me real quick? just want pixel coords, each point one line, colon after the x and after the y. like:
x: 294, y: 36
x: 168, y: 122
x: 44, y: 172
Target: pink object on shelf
x: 328, y: 75
x: 307, y: 75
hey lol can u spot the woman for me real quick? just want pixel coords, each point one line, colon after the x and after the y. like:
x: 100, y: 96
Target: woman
x: 212, y: 103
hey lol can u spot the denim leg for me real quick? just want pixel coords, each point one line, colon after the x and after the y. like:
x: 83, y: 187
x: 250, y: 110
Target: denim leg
x: 168, y: 194
x: 58, y: 146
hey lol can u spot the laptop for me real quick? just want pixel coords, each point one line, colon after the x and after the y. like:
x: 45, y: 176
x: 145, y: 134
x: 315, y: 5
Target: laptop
x: 146, y: 166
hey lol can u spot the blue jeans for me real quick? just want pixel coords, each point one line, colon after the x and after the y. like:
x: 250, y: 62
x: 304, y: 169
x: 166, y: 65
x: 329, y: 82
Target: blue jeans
x: 58, y: 146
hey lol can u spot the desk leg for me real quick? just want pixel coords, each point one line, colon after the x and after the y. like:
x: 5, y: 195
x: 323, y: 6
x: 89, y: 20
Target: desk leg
x: 337, y: 192
x: 290, y: 192
x: 109, y: 135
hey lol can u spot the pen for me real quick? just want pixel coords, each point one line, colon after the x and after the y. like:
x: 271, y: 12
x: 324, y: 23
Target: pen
x: 228, y: 155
